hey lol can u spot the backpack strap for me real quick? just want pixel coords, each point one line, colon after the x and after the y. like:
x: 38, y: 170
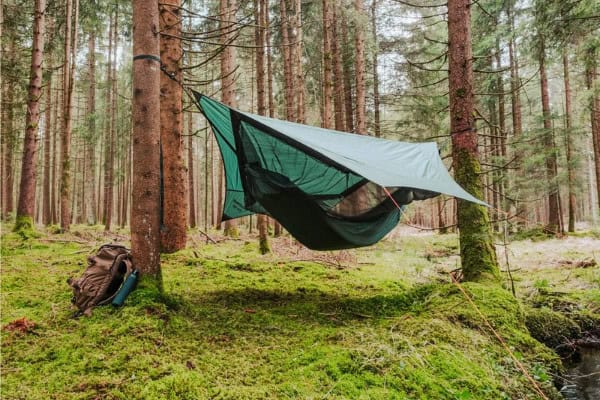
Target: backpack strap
x: 124, y: 259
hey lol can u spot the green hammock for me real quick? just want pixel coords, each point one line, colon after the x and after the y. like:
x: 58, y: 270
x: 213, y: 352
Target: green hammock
x: 331, y: 190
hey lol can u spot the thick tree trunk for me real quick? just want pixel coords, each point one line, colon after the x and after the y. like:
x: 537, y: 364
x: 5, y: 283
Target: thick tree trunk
x: 327, y: 66
x: 228, y: 89
x: 46, y: 210
x: 477, y: 251
x: 554, y: 225
x: 25, y: 206
x: 376, y: 100
x: 568, y: 138
x: 65, y: 180
x: 145, y: 210
x: 360, y: 70
x: 591, y: 75
x: 338, y: 75
x: 174, y: 180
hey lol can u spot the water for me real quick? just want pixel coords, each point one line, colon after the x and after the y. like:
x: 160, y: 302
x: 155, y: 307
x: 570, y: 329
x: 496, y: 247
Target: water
x: 582, y: 379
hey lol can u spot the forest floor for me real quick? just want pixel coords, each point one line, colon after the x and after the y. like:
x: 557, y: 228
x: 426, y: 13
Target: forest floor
x: 383, y: 322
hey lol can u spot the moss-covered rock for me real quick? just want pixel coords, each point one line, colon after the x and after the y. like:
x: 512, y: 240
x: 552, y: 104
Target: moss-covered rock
x: 550, y: 327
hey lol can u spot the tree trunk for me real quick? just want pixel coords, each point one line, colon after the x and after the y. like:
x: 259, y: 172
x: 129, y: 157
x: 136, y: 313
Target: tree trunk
x: 568, y: 127
x: 347, y: 67
x: 338, y: 75
x: 25, y: 206
x: 145, y: 210
x: 288, y: 74
x: 376, y: 100
x: 55, y: 146
x: 554, y: 225
x: 174, y: 180
x: 297, y: 68
x: 109, y: 152
x: 90, y: 142
x: 327, y: 66
x: 259, y: 39
x: 515, y: 83
x: 190, y: 171
x: 591, y: 75
x: 65, y: 181
x: 478, y: 255
x: 46, y: 211
x: 360, y: 70
x: 227, y: 12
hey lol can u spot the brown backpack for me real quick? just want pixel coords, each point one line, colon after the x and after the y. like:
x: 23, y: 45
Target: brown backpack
x: 100, y: 282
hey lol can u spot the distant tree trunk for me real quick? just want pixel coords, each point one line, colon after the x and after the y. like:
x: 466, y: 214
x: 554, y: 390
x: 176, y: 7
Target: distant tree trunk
x: 175, y: 185
x: 90, y: 159
x: 347, y: 67
x: 338, y: 75
x: 110, y: 139
x: 145, y: 210
x: 591, y: 75
x: 515, y: 83
x: 288, y: 73
x: 46, y: 210
x: 7, y: 149
x: 192, y: 199
x: 376, y: 100
x: 477, y: 251
x: 554, y: 225
x: 55, y: 146
x: 360, y: 70
x: 298, y: 71
x: 25, y: 206
x: 327, y: 66
x: 259, y: 41
x: 65, y: 184
x: 269, y: 60
x: 228, y: 19
x: 568, y: 136
x: 501, y: 137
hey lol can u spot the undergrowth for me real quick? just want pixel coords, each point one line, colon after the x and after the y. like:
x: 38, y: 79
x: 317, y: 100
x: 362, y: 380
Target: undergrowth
x: 236, y: 325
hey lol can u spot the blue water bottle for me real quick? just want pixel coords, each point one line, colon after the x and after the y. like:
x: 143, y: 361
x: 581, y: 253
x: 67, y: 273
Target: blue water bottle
x: 127, y: 288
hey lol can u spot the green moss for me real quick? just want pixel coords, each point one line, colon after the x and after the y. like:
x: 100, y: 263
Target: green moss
x: 550, y: 327
x: 263, y: 246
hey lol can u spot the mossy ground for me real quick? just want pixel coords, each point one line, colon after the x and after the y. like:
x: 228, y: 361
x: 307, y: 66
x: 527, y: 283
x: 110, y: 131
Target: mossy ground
x: 376, y: 323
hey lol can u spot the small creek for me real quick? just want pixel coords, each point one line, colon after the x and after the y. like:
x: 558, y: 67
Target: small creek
x: 582, y: 379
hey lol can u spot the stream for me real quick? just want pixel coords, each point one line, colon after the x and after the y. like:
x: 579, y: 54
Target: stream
x: 582, y: 379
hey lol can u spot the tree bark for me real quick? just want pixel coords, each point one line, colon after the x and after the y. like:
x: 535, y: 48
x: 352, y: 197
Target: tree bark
x: 190, y: 171
x: 591, y: 75
x: 145, y: 214
x: 360, y: 70
x: 90, y: 160
x: 338, y: 75
x: 46, y: 210
x: 65, y: 181
x: 109, y: 156
x: 26, y: 204
x: 376, y: 100
x: 554, y: 225
x: 228, y: 89
x: 478, y: 255
x: 347, y: 67
x: 259, y: 41
x: 298, y: 70
x: 288, y: 73
x: 568, y: 127
x: 327, y: 67
x: 174, y: 180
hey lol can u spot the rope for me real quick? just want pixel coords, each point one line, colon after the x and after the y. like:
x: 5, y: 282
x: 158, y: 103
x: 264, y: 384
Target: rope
x: 485, y: 320
x: 500, y: 339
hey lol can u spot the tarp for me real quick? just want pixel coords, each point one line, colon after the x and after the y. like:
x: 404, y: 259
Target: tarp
x: 278, y: 167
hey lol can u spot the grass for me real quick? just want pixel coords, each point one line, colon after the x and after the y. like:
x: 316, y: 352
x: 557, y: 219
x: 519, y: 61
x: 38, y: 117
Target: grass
x: 376, y: 323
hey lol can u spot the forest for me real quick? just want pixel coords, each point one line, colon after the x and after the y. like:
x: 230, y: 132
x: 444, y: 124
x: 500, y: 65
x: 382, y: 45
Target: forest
x: 258, y: 280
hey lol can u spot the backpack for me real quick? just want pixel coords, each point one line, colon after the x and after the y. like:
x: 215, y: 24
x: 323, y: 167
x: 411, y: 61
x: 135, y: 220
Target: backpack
x: 101, y: 280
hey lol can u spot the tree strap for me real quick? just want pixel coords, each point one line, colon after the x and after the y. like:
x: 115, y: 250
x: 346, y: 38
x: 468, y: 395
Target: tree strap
x: 147, y: 57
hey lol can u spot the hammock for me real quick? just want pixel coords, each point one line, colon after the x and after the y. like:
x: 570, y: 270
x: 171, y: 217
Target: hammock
x: 325, y: 187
